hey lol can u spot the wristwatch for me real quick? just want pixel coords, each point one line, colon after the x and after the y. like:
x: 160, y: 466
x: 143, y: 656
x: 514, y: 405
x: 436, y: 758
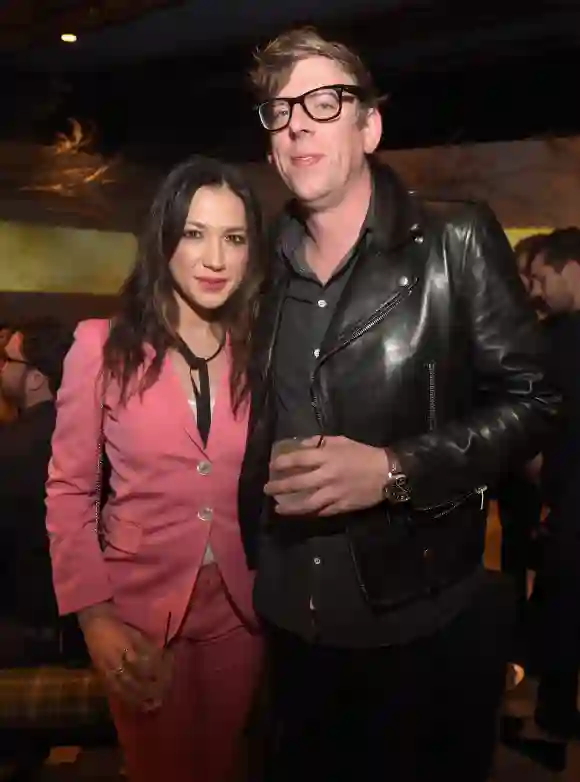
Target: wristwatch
x: 396, y: 490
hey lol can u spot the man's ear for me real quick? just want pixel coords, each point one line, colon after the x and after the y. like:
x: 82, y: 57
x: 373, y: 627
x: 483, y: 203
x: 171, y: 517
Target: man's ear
x: 35, y: 379
x: 372, y: 128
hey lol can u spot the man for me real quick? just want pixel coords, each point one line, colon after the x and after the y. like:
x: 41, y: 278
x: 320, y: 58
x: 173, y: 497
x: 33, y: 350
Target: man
x: 29, y: 378
x: 518, y: 496
x: 396, y: 339
x: 7, y: 411
x: 525, y: 251
x: 555, y: 275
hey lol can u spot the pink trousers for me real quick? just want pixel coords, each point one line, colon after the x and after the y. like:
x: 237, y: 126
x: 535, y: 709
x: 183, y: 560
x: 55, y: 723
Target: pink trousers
x: 197, y: 734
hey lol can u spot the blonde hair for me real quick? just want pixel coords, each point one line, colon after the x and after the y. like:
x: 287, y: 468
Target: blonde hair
x: 273, y: 63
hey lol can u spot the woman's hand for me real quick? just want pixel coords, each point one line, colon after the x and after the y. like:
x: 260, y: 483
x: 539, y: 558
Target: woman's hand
x: 135, y: 669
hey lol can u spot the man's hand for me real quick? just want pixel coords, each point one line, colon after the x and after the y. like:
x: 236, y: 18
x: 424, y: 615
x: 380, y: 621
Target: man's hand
x: 338, y: 477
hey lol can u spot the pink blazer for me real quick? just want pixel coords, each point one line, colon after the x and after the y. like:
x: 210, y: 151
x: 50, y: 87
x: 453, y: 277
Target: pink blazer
x: 169, y: 494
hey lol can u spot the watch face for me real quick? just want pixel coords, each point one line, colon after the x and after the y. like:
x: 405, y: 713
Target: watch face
x: 397, y: 491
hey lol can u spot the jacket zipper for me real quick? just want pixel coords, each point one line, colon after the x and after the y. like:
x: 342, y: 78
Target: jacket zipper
x: 432, y: 396
x: 481, y: 490
x: 379, y: 315
x: 446, y: 507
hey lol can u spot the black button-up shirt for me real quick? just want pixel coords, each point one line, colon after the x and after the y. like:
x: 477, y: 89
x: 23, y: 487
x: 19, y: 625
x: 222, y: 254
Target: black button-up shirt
x: 307, y: 585
x: 306, y: 314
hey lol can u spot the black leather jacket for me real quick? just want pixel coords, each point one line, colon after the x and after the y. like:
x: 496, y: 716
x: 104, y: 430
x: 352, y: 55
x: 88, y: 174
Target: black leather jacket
x: 435, y: 352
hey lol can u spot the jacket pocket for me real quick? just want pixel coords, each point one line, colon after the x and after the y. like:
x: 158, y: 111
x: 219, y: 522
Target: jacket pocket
x: 398, y: 561
x: 122, y: 537
x: 386, y: 556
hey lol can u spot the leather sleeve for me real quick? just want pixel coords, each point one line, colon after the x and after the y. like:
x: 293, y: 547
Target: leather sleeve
x: 516, y: 406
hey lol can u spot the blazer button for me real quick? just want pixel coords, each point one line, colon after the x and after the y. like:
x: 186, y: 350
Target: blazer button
x: 205, y: 514
x: 203, y: 468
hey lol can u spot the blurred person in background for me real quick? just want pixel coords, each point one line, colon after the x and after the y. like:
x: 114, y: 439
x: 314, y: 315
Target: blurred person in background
x: 7, y: 411
x: 555, y: 273
x: 518, y: 493
x: 30, y: 376
x: 525, y: 251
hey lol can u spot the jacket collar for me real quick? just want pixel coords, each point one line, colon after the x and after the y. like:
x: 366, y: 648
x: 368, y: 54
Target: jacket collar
x: 396, y: 213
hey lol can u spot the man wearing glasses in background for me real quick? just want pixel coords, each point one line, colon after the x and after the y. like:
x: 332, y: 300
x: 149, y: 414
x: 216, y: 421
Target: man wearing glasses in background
x: 30, y: 375
x: 398, y: 371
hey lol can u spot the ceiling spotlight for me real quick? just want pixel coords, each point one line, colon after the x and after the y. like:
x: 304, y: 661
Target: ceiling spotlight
x: 68, y: 38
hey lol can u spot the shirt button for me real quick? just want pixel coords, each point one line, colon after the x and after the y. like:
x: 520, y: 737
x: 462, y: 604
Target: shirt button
x: 203, y: 468
x: 317, y: 560
x: 205, y: 514
x: 317, y: 353
x: 322, y: 303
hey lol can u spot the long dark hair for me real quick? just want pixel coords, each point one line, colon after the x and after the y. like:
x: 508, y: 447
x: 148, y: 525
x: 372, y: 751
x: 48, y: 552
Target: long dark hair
x: 148, y: 311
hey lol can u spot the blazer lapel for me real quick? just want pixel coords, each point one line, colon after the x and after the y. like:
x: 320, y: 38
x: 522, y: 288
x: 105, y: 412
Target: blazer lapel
x: 228, y: 431
x: 176, y: 401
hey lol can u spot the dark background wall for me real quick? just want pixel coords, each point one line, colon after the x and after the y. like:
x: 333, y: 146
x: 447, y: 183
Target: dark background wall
x: 530, y: 184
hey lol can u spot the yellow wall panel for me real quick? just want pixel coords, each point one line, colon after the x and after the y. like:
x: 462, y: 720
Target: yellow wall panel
x: 52, y: 259
x: 517, y: 234
x: 48, y: 259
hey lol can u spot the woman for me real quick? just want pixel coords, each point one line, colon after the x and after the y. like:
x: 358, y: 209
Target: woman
x: 161, y: 589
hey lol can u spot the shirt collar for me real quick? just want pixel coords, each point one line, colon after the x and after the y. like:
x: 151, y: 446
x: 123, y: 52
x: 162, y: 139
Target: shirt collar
x: 293, y: 232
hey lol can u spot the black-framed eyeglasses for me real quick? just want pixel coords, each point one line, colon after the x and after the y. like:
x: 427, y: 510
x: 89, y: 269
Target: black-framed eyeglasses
x: 6, y: 359
x: 322, y: 104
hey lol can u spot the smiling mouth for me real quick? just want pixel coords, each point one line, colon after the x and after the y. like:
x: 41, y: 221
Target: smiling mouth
x: 306, y: 160
x: 209, y: 283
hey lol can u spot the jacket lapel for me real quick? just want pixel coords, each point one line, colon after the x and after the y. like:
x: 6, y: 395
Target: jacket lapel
x: 265, y: 335
x: 379, y: 283
x: 387, y: 269
x: 175, y: 399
